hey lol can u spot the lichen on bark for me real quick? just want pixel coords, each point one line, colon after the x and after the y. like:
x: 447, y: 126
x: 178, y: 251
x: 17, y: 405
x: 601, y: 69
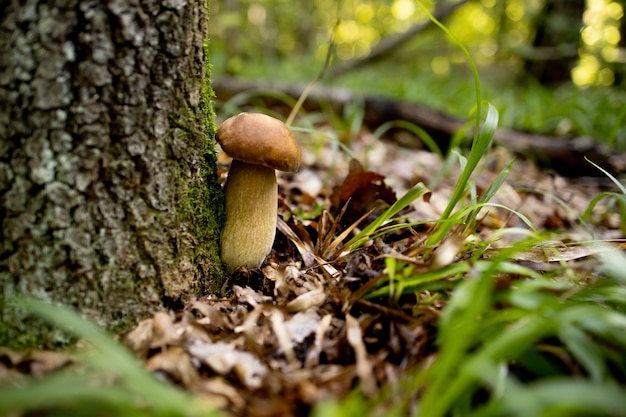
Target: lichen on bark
x: 106, y: 159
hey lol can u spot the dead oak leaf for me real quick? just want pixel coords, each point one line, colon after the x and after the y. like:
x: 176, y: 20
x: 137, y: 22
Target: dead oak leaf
x: 362, y: 191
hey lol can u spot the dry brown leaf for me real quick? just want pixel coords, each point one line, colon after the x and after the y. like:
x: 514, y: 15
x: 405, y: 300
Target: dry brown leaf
x: 249, y: 296
x: 559, y: 252
x: 313, y: 298
x: 224, y: 359
x: 361, y: 191
x: 282, y: 334
x: 302, y: 325
x: 139, y: 339
x: 164, y: 332
x: 312, y: 358
x: 176, y: 363
x: 219, y: 393
x: 363, y: 365
x: 447, y: 251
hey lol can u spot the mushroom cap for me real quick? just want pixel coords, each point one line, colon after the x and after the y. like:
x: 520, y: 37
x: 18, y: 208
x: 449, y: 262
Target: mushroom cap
x: 261, y: 140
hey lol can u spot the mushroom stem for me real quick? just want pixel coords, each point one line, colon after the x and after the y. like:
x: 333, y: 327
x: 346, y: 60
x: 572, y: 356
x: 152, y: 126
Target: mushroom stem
x: 251, y: 208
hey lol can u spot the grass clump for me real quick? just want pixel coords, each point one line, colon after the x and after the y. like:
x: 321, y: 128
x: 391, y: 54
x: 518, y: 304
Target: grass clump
x: 513, y: 342
x: 512, y: 339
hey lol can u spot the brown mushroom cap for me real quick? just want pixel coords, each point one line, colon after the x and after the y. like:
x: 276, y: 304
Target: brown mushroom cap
x: 261, y: 140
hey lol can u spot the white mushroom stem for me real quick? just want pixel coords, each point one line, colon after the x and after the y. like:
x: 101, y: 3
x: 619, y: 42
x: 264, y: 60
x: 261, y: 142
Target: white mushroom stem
x: 251, y: 199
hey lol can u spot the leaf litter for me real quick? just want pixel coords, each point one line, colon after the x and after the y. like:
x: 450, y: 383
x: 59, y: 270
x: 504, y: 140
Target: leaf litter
x: 301, y: 329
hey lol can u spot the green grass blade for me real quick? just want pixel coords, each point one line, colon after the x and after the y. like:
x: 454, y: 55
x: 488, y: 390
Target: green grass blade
x: 559, y: 397
x: 430, y: 143
x: 471, y: 62
x: 134, y: 383
x: 594, y: 202
x: 489, y: 193
x: 418, y: 191
x: 408, y: 284
x: 458, y: 329
x: 479, y: 149
x: 621, y: 186
x: 64, y: 388
x: 585, y: 350
x: 613, y: 262
x: 62, y: 317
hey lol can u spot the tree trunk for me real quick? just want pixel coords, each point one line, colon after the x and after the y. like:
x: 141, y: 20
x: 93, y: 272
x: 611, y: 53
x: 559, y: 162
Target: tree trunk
x: 556, y: 42
x: 108, y: 182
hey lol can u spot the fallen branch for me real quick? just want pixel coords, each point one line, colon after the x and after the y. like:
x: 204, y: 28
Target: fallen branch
x: 565, y: 155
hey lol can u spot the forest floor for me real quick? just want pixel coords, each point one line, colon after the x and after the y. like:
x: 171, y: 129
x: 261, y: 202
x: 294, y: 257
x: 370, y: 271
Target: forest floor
x: 301, y: 329
x: 306, y: 326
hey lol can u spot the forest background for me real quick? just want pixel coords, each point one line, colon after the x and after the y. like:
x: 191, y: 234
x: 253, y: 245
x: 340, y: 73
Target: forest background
x: 553, y: 67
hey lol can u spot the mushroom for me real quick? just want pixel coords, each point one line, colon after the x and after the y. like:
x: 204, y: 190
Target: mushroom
x: 259, y: 145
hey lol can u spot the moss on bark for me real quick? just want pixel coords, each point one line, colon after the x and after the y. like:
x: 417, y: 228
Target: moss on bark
x: 108, y: 185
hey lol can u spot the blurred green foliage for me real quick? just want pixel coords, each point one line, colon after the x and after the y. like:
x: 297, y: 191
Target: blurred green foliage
x: 287, y: 40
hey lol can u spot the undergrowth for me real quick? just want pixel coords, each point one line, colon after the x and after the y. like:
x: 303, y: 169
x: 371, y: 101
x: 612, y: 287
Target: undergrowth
x: 548, y: 343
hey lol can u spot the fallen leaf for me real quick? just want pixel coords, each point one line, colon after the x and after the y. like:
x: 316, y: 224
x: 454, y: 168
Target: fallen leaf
x: 176, y: 363
x: 363, y: 365
x: 224, y: 359
x: 362, y: 191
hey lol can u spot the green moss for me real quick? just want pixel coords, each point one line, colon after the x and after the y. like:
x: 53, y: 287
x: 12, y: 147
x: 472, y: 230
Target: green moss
x: 201, y: 207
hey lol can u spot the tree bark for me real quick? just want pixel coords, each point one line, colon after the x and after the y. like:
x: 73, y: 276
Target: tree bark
x: 109, y: 197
